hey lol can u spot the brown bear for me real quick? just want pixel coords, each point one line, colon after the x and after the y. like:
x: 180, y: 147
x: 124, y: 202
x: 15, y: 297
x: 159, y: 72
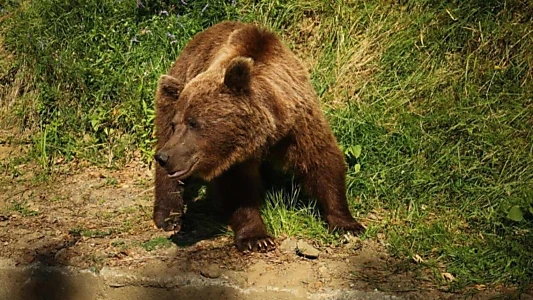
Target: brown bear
x: 237, y: 99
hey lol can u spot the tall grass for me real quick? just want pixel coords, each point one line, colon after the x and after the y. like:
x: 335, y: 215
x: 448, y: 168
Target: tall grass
x: 438, y: 94
x: 443, y: 109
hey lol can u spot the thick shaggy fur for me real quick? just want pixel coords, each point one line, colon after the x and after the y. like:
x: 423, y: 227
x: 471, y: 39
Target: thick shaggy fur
x: 237, y: 99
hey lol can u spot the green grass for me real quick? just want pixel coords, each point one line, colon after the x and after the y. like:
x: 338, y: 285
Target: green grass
x: 286, y: 214
x: 437, y: 93
x: 155, y: 243
x: 23, y: 209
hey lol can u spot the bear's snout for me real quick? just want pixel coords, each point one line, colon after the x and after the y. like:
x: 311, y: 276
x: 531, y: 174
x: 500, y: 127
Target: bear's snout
x: 161, y: 158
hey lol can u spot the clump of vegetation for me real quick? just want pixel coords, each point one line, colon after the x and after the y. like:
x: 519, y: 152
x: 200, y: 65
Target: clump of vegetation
x: 23, y: 209
x: 156, y: 243
x: 431, y: 101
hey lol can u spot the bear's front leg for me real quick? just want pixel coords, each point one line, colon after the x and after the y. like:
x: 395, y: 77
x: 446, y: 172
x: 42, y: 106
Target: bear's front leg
x: 168, y: 206
x: 324, y: 179
x: 240, y: 191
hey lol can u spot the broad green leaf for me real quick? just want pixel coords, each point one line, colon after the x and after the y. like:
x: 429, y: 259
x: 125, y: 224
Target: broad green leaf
x: 357, y: 168
x: 515, y: 214
x: 357, y: 151
x: 95, y: 124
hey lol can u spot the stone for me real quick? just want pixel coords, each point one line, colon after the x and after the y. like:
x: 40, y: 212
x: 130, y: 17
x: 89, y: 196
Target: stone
x: 306, y: 250
x: 211, y: 271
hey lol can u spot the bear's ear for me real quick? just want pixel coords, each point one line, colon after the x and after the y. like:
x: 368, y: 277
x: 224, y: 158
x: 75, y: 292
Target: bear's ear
x: 238, y: 74
x: 169, y: 87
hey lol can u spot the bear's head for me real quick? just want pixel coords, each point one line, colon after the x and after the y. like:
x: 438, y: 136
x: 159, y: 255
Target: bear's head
x: 217, y: 121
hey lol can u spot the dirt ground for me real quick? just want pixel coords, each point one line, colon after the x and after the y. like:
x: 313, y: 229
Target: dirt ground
x: 89, y: 231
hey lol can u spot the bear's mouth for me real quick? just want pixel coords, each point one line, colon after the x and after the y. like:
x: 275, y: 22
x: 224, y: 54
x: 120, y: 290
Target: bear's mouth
x: 183, y: 173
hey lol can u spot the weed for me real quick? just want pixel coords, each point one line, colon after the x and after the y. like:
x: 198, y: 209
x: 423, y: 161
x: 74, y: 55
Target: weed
x: 9, y: 166
x: 23, y: 209
x: 111, y: 181
x: 119, y: 244
x: 155, y: 243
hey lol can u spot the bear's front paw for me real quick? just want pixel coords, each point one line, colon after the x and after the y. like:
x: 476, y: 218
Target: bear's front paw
x: 354, y: 228
x: 346, y: 225
x: 168, y: 220
x: 255, y: 244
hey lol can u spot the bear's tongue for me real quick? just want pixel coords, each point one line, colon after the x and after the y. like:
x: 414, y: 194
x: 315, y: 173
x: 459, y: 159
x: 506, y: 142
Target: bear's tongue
x: 183, y: 172
x: 177, y: 174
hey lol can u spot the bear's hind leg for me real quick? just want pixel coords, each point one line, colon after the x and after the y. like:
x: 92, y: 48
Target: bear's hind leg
x: 240, y: 191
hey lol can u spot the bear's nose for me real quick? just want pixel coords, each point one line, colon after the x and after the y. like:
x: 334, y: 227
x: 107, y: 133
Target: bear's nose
x: 161, y: 158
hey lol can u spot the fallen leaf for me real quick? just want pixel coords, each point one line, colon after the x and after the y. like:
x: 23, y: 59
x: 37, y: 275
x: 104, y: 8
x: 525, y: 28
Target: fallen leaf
x: 448, y: 276
x: 418, y: 259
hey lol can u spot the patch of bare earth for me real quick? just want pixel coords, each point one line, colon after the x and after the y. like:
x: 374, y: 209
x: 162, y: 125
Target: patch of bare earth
x: 100, y: 220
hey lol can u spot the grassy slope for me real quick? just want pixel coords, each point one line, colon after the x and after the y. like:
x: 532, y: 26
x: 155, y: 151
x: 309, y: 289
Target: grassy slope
x: 437, y: 93
x: 439, y: 96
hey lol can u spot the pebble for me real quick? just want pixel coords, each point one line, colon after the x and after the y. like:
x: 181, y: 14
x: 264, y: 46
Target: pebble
x: 211, y: 271
x: 288, y: 245
x: 306, y: 250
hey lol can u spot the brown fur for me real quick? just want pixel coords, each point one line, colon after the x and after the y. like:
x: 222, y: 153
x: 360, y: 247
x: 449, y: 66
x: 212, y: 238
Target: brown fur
x: 235, y: 99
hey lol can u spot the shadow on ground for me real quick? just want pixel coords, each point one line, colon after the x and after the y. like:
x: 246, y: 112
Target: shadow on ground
x: 203, y: 219
x: 48, y: 278
x: 41, y: 278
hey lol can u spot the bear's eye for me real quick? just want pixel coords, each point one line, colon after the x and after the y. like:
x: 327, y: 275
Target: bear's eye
x: 192, y: 124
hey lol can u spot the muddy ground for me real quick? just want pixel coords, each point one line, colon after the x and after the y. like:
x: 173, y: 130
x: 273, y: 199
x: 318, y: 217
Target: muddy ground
x: 86, y: 233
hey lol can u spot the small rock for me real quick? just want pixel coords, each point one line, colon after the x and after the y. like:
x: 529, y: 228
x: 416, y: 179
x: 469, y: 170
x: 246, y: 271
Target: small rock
x: 306, y: 250
x: 288, y: 245
x: 211, y: 271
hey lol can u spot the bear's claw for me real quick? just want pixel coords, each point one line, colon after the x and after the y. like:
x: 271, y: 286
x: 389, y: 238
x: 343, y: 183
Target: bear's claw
x: 170, y: 223
x: 354, y: 229
x: 345, y: 225
x: 256, y: 244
